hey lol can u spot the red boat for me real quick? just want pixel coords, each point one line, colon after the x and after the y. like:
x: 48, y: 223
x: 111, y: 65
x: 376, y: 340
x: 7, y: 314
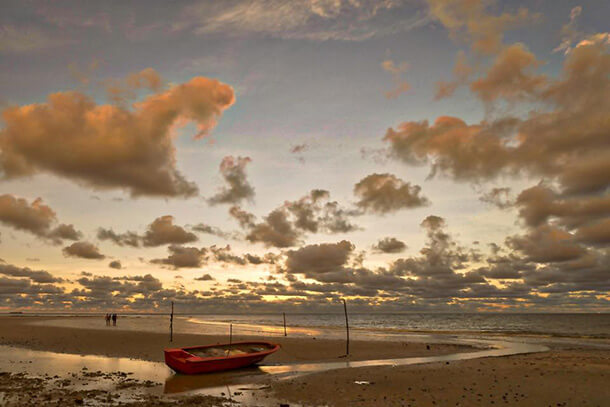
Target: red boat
x: 215, y: 358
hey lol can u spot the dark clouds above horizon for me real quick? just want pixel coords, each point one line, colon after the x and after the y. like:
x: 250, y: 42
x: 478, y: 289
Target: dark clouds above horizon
x: 461, y: 161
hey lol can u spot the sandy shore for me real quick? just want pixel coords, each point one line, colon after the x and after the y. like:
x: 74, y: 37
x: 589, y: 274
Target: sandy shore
x: 18, y: 331
x: 554, y: 378
x: 563, y: 376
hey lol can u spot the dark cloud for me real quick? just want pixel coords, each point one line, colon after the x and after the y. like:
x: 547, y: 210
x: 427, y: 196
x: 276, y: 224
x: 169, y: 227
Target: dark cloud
x: 115, y: 264
x: 37, y: 276
x: 317, y: 259
x: 36, y: 218
x: 83, y: 250
x: 214, y: 231
x: 159, y: 232
x: 122, y: 239
x: 109, y: 146
x: 205, y: 277
x: 498, y: 197
x: 183, y: 257
x: 162, y: 231
x: 276, y: 230
x: 386, y: 193
x: 233, y: 170
x: 389, y: 245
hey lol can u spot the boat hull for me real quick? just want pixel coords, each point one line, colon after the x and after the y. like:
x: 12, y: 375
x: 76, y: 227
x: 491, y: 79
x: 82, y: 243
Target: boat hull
x: 183, y: 361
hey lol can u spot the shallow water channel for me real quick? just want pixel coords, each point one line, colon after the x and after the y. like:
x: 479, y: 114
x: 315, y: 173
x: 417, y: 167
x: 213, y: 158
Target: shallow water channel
x: 241, y: 386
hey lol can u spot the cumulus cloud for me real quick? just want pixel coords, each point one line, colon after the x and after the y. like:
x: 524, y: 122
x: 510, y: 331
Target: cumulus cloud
x: 109, y: 146
x: 83, y: 250
x: 511, y: 77
x: 564, y: 141
x: 472, y: 20
x: 183, y: 257
x: 233, y: 170
x: 205, y: 277
x: 385, y: 193
x: 37, y: 276
x: 316, y: 259
x: 131, y: 239
x: 286, y: 225
x: 389, y: 245
x: 159, y: 232
x: 163, y: 231
x: 35, y: 218
x: 115, y: 264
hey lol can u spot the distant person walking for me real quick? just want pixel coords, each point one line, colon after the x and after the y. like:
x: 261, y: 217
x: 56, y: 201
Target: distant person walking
x: 107, y: 319
x: 113, y: 319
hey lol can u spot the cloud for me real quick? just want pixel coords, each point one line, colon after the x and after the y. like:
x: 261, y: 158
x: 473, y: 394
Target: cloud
x: 564, y: 140
x: 162, y: 231
x: 35, y: 218
x: 276, y: 230
x: 400, y: 85
x: 131, y: 239
x: 461, y: 72
x: 498, y: 197
x: 511, y: 76
x: 547, y: 244
x: 115, y: 264
x: 301, y: 19
x: 385, y: 193
x: 471, y: 20
x: 26, y: 39
x: 83, y: 250
x: 159, y: 232
x: 316, y: 259
x: 109, y: 146
x: 119, y: 91
x: 37, y: 276
x: 183, y: 257
x: 205, y: 277
x: 214, y: 231
x: 389, y: 245
x: 233, y: 170
x: 288, y: 224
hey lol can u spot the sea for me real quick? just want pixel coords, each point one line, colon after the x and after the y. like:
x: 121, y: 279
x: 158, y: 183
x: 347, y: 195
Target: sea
x: 365, y: 325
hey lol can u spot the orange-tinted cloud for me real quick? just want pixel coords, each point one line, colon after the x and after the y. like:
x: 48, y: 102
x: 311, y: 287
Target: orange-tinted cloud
x: 472, y: 20
x: 109, y: 146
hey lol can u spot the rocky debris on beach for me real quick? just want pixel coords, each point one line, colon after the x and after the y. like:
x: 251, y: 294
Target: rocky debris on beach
x: 19, y: 389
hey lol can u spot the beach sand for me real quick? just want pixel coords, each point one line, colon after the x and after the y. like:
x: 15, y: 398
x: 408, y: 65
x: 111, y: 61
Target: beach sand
x: 571, y: 376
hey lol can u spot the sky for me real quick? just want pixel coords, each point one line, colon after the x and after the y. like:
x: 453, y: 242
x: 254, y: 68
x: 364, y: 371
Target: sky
x: 268, y: 156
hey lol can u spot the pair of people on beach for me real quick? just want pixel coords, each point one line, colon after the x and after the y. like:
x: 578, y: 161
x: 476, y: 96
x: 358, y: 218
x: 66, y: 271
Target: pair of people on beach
x: 110, y: 317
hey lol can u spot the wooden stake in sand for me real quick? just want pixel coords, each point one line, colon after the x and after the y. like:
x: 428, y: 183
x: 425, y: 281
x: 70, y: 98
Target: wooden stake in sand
x: 171, y: 324
x: 346, y: 328
x: 230, y: 339
x: 284, y: 314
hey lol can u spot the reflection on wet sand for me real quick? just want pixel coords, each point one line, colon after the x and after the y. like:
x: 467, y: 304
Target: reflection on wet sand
x: 183, y: 383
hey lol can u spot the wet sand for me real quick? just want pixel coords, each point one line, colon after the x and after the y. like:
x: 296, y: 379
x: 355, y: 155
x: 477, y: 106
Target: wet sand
x: 566, y: 375
x: 107, y: 341
x: 554, y: 378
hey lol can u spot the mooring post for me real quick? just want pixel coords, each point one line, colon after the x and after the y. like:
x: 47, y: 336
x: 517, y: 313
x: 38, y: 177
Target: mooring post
x: 346, y: 328
x: 171, y: 324
x: 230, y: 339
x: 284, y: 314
